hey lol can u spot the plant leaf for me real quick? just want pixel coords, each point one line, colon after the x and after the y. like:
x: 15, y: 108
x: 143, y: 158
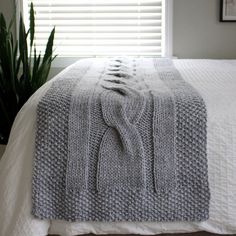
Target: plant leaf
x: 32, y: 24
x: 23, y: 48
x: 48, y: 51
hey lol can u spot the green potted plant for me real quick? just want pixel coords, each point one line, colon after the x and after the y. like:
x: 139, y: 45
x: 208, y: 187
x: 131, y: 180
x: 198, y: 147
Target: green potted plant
x: 22, y: 69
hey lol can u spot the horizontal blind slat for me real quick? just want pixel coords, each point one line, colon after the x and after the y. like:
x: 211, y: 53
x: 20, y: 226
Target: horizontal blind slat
x: 101, y: 36
x: 98, y: 23
x: 75, y: 3
x: 107, y: 49
x: 99, y: 16
x: 101, y: 29
x: 101, y: 9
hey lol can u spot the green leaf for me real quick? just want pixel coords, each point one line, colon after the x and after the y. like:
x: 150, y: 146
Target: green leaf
x: 32, y: 24
x: 23, y: 48
x: 2, y: 22
x: 49, y: 47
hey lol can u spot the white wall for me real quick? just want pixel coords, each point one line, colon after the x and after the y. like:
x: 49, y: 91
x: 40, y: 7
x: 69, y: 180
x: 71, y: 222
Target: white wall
x: 7, y: 8
x: 198, y: 32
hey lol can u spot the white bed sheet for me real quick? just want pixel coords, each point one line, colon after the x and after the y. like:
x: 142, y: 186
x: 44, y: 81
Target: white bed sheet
x: 215, y: 81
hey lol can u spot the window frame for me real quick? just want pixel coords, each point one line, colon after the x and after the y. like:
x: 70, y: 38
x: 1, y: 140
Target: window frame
x: 63, y: 61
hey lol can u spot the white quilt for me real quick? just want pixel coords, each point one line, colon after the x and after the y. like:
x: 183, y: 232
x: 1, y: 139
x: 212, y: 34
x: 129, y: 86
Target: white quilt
x: 215, y: 81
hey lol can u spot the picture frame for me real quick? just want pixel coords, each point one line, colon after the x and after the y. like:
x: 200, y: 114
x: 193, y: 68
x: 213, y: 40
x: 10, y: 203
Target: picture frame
x: 228, y: 10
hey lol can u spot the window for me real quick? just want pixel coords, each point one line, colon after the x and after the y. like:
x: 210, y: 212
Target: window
x: 103, y: 27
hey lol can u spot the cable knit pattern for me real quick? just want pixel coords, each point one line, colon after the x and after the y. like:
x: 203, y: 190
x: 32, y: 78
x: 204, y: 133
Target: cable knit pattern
x: 121, y: 140
x: 121, y: 149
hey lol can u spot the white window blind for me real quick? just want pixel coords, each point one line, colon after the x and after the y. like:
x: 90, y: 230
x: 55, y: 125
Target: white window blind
x: 101, y: 27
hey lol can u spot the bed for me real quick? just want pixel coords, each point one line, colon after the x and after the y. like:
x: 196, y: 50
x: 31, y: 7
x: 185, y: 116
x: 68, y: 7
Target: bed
x: 215, y: 81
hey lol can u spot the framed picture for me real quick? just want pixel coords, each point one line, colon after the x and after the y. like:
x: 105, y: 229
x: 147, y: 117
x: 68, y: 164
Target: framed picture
x: 228, y: 11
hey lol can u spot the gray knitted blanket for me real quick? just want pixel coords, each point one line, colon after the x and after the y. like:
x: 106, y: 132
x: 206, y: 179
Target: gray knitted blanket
x: 121, y: 140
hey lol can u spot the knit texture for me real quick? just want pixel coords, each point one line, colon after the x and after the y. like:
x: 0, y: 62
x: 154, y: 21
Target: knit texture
x: 121, y: 140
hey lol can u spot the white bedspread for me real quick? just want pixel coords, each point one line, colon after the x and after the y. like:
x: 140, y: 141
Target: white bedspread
x: 215, y: 81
